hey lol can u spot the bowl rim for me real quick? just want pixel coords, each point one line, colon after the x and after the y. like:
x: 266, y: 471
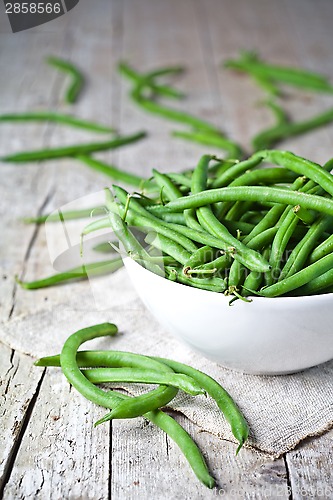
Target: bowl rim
x: 200, y: 291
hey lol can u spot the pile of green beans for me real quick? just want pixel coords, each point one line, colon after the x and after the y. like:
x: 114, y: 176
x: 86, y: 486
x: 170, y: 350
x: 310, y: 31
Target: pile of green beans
x: 244, y: 232
x: 85, y: 369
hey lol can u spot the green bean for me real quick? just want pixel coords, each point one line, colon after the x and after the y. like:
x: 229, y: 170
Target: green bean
x: 257, y: 242
x: 235, y: 171
x: 168, y: 246
x: 207, y: 219
x: 238, y: 209
x: 299, y: 165
x: 140, y: 405
x: 297, y: 77
x: 181, y: 179
x: 223, y: 400
x: 219, y: 264
x: 265, y: 84
x: 306, y: 216
x: 254, y: 279
x: 73, y: 150
x: 212, y: 139
x: 161, y: 228
x: 200, y: 256
x: 117, y: 174
x: 143, y: 376
x: 147, y: 79
x: 52, y: 116
x: 170, y: 190
x: 280, y: 242
x: 273, y: 215
x: 148, y: 221
x: 211, y: 284
x: 71, y: 370
x: 78, y: 380
x: 175, y: 218
x: 131, y: 244
x: 281, y: 117
x: 205, y: 238
x: 302, y: 250
x: 128, y: 409
x: 77, y: 273
x: 163, y: 421
x: 267, y: 138
x: 252, y: 193
x: 191, y: 220
x: 265, y: 176
x: 321, y: 250
x: 77, y: 77
x: 171, y: 113
x: 300, y: 278
x: 178, y: 223
x: 321, y: 284
x: 68, y: 215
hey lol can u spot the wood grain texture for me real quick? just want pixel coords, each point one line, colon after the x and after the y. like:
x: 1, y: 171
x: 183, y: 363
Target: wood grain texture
x: 49, y: 448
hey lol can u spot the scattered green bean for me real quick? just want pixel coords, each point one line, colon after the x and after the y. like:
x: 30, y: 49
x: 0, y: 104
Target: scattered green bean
x: 297, y: 77
x: 117, y: 174
x: 77, y: 77
x: 52, y: 116
x: 73, y: 150
x: 77, y: 273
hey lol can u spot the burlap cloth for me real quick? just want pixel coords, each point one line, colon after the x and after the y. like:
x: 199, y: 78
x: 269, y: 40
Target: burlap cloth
x: 280, y: 410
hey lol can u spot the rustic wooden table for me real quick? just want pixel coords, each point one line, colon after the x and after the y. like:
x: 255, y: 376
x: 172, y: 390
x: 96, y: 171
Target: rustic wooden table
x: 49, y: 448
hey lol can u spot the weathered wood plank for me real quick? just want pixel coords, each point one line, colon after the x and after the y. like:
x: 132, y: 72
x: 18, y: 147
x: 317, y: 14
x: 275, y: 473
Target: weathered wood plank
x: 61, y: 455
x: 18, y: 385
x: 310, y: 468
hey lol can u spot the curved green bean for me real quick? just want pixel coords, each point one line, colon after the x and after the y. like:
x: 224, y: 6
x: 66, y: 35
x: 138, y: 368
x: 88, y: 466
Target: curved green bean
x: 128, y: 409
x: 297, y: 77
x: 299, y: 165
x: 159, y: 418
x: 267, y: 138
x: 170, y: 190
x: 147, y: 79
x: 77, y: 83
x: 223, y: 400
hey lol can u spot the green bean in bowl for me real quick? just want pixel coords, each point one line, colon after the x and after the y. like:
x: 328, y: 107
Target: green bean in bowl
x: 259, y: 235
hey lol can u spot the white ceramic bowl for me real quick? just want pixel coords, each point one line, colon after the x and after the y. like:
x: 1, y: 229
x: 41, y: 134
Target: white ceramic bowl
x: 267, y: 336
